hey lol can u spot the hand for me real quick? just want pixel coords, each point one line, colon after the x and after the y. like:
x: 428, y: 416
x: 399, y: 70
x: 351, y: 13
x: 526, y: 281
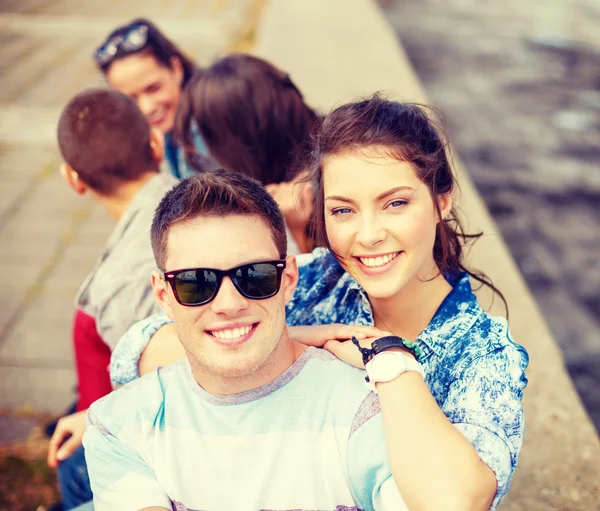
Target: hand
x: 295, y: 199
x: 66, y: 438
x: 319, y: 335
x: 347, y: 352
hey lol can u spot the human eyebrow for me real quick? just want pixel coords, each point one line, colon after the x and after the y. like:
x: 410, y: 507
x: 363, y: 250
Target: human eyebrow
x: 394, y: 190
x: 339, y: 198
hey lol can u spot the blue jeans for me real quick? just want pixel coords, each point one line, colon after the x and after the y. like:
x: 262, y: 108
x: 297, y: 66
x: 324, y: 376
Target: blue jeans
x: 74, y: 481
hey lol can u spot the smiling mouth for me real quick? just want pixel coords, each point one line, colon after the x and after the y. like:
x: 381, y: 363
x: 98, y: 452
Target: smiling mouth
x: 378, y: 261
x: 231, y: 335
x: 159, y: 117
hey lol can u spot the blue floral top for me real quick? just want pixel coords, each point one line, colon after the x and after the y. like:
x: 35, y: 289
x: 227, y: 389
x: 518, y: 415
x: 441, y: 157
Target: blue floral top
x: 474, y: 370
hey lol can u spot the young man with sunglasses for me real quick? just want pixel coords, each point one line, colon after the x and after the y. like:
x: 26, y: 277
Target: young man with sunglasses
x: 248, y: 419
x: 111, y: 154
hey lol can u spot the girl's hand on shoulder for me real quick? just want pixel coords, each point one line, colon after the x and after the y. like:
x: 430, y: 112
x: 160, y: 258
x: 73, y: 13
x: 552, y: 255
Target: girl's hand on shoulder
x: 347, y: 352
x: 319, y: 335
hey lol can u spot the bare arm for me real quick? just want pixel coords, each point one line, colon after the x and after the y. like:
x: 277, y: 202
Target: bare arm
x: 163, y: 349
x: 321, y: 335
x: 421, y: 440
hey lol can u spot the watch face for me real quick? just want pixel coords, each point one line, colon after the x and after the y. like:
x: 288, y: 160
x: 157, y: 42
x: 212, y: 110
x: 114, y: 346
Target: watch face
x: 386, y: 366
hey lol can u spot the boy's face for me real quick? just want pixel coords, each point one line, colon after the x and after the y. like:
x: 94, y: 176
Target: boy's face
x: 231, y: 337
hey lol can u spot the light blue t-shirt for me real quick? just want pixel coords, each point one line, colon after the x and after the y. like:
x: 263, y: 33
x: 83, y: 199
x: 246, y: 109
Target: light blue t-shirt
x: 311, y: 439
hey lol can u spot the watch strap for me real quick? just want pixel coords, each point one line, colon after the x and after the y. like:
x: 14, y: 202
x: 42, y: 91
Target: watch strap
x: 385, y: 343
x: 393, y: 341
x: 367, y: 353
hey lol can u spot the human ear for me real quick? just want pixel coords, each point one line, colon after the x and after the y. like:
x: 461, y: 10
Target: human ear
x: 73, y: 179
x: 289, y: 279
x: 177, y: 67
x: 160, y: 288
x: 157, y: 145
x: 445, y: 204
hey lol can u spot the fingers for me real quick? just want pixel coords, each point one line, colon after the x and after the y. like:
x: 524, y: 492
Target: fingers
x: 66, y: 438
x: 272, y: 188
x: 68, y: 448
x: 346, y: 352
x: 360, y: 332
x: 60, y: 433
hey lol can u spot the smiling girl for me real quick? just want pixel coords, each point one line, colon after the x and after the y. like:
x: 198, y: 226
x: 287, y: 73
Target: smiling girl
x: 383, y: 208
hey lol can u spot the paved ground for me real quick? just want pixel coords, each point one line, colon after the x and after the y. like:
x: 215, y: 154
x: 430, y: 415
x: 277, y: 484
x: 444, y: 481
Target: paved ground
x: 49, y: 237
x: 524, y: 112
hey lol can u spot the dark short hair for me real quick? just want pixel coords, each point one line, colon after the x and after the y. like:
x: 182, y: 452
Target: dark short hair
x: 157, y: 45
x: 215, y: 194
x: 251, y: 115
x: 410, y: 133
x: 105, y: 138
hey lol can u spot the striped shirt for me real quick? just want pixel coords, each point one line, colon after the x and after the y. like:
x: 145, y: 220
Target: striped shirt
x: 311, y: 439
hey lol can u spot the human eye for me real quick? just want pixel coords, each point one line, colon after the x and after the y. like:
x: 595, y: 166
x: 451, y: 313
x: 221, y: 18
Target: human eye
x: 340, y: 211
x: 153, y: 87
x: 397, y: 203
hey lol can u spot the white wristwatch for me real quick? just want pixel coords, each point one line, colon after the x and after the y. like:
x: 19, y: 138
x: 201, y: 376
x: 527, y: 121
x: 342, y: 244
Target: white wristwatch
x: 389, y: 365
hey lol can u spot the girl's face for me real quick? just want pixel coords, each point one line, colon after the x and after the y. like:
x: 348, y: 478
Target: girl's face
x: 154, y: 87
x: 380, y: 220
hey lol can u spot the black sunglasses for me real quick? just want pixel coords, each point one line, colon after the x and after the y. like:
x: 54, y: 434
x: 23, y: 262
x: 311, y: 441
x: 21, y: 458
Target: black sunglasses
x: 132, y: 40
x: 198, y: 286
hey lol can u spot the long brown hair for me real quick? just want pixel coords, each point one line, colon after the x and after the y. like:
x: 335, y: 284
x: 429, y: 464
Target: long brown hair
x: 251, y: 116
x: 408, y: 134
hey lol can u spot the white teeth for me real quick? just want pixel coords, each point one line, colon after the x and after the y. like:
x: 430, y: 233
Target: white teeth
x: 232, y: 333
x: 373, y: 262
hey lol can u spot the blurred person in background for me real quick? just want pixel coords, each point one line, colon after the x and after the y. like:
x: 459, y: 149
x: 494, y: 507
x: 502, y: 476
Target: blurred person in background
x: 242, y: 113
x: 138, y: 60
x: 254, y: 120
x: 110, y: 153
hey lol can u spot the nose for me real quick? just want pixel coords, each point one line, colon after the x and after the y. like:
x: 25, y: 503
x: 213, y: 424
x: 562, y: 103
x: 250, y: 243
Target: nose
x: 146, y: 104
x: 228, y: 301
x: 370, y: 232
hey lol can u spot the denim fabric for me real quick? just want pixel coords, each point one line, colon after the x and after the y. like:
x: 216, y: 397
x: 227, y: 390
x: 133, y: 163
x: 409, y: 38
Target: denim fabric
x: 74, y: 481
x: 474, y: 370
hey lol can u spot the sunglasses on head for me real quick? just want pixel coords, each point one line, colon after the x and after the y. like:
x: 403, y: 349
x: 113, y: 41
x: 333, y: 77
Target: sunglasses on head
x: 199, y: 286
x: 132, y: 40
